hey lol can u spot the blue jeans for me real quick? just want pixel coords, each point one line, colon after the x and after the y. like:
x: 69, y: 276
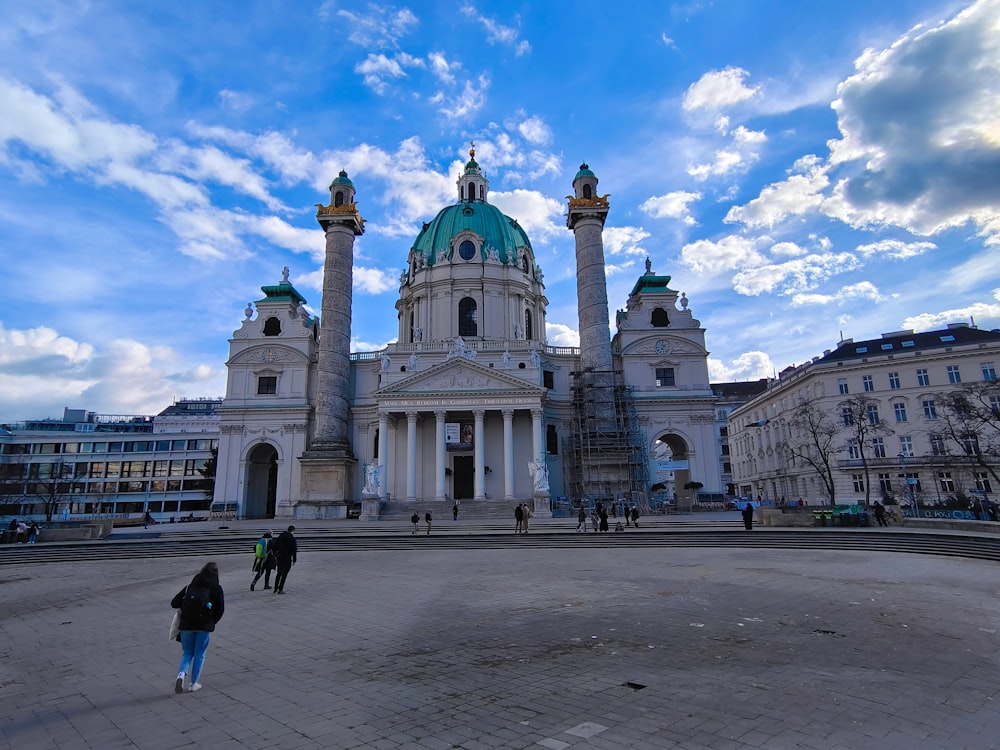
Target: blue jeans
x: 195, y: 644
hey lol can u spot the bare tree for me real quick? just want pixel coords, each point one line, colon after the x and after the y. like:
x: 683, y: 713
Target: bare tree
x: 860, y: 417
x: 969, y: 420
x: 819, y: 432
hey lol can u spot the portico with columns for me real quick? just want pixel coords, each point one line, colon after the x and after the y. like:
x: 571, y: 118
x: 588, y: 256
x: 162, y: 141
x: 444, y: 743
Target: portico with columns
x: 422, y: 460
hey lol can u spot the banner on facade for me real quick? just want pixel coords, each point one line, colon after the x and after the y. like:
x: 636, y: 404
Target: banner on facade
x: 663, y: 467
x: 458, y: 436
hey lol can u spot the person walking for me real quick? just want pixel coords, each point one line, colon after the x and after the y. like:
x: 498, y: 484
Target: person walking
x: 147, y: 518
x: 528, y: 513
x: 747, y: 514
x: 879, y: 511
x: 518, y: 518
x: 635, y: 516
x: 604, y: 519
x: 202, y: 605
x: 286, y: 552
x: 414, y: 519
x: 263, y: 560
x: 454, y: 511
x: 32, y: 533
x: 581, y: 521
x: 427, y: 520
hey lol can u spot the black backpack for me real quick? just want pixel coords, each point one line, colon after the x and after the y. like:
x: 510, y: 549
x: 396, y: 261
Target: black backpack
x: 196, y: 607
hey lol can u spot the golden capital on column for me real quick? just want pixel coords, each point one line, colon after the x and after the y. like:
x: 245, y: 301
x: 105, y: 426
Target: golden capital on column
x: 346, y: 213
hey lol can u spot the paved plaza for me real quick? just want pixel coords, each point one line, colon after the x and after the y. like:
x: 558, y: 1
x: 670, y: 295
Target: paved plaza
x: 522, y: 647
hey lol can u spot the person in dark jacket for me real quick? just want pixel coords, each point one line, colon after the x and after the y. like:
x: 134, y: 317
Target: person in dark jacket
x: 747, y: 514
x: 197, y: 626
x: 286, y: 551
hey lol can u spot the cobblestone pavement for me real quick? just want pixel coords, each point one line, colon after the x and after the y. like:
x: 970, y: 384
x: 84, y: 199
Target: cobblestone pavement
x: 513, y: 648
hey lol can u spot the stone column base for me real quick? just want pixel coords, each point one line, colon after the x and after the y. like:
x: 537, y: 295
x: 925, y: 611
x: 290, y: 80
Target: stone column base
x: 543, y: 506
x: 326, y: 486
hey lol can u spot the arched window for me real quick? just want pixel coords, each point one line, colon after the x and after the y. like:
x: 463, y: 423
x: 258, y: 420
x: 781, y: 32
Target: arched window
x: 461, y: 193
x: 468, y: 317
x: 338, y: 198
x: 551, y: 440
x: 659, y: 318
x: 472, y: 191
x: 524, y: 263
x: 527, y: 325
x: 481, y: 193
x: 411, y: 326
x: 272, y: 327
x: 588, y: 192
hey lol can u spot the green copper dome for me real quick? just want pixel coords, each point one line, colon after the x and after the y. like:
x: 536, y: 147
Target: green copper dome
x: 584, y: 172
x: 499, y: 232
x: 342, y: 179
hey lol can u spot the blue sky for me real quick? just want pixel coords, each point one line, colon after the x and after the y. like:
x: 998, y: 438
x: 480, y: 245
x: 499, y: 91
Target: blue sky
x: 801, y: 170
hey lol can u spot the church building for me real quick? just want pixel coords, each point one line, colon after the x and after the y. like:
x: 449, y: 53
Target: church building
x: 470, y: 403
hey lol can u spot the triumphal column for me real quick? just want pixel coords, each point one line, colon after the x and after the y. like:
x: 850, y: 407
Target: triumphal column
x: 328, y: 465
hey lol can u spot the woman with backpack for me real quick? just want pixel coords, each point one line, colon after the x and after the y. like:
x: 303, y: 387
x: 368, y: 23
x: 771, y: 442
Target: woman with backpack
x: 202, y: 605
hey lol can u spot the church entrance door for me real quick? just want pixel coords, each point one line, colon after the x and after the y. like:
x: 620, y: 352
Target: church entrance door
x: 462, y: 477
x: 262, y: 482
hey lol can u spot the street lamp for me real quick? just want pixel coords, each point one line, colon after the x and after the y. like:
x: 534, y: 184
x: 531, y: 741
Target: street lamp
x: 909, y: 483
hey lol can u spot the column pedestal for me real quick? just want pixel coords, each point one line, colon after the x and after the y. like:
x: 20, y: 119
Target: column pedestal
x: 327, y: 479
x: 370, y: 507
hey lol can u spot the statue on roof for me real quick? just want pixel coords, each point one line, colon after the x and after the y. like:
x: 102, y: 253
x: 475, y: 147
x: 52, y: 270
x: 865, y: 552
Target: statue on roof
x: 648, y: 265
x: 284, y: 274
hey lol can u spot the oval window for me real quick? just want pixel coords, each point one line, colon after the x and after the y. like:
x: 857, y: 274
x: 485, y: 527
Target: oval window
x: 467, y: 250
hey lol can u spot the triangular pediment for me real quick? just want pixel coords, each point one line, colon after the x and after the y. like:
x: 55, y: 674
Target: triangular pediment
x: 461, y: 376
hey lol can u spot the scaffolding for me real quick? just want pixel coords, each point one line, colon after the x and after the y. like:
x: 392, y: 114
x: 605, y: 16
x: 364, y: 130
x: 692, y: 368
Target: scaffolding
x: 605, y: 455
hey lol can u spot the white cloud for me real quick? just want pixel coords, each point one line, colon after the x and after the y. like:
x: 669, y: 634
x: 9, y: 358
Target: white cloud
x: 719, y: 89
x: 468, y: 102
x: 895, y: 249
x: 977, y: 310
x: 796, y: 275
x: 497, y: 33
x: 799, y: 194
x: 668, y: 41
x: 748, y: 366
x: 441, y: 68
x: 787, y: 250
x: 374, y: 280
x: 538, y: 214
x: 534, y: 130
x: 671, y: 206
x: 236, y: 101
x: 728, y: 254
x: 41, y: 372
x: 920, y: 129
x: 845, y: 295
x: 625, y: 241
x: 381, y: 27
x: 725, y: 161
x: 558, y: 334
x: 376, y: 68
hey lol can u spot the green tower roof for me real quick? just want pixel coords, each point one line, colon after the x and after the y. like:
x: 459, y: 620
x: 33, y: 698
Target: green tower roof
x: 342, y: 179
x: 584, y: 172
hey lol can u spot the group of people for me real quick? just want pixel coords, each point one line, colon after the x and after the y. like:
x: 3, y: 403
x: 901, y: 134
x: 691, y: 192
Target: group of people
x: 201, y: 604
x: 274, y: 553
x: 522, y: 515
x: 21, y: 532
x: 428, y: 519
x: 599, y: 518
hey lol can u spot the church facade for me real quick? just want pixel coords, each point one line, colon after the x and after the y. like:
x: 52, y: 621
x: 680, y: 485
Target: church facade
x: 470, y: 403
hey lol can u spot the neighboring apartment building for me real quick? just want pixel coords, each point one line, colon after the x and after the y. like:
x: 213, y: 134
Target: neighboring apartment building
x: 95, y: 464
x: 870, y: 420
x: 729, y: 397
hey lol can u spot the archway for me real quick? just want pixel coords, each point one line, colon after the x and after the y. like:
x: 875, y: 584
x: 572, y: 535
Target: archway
x: 261, y: 482
x: 670, y: 472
